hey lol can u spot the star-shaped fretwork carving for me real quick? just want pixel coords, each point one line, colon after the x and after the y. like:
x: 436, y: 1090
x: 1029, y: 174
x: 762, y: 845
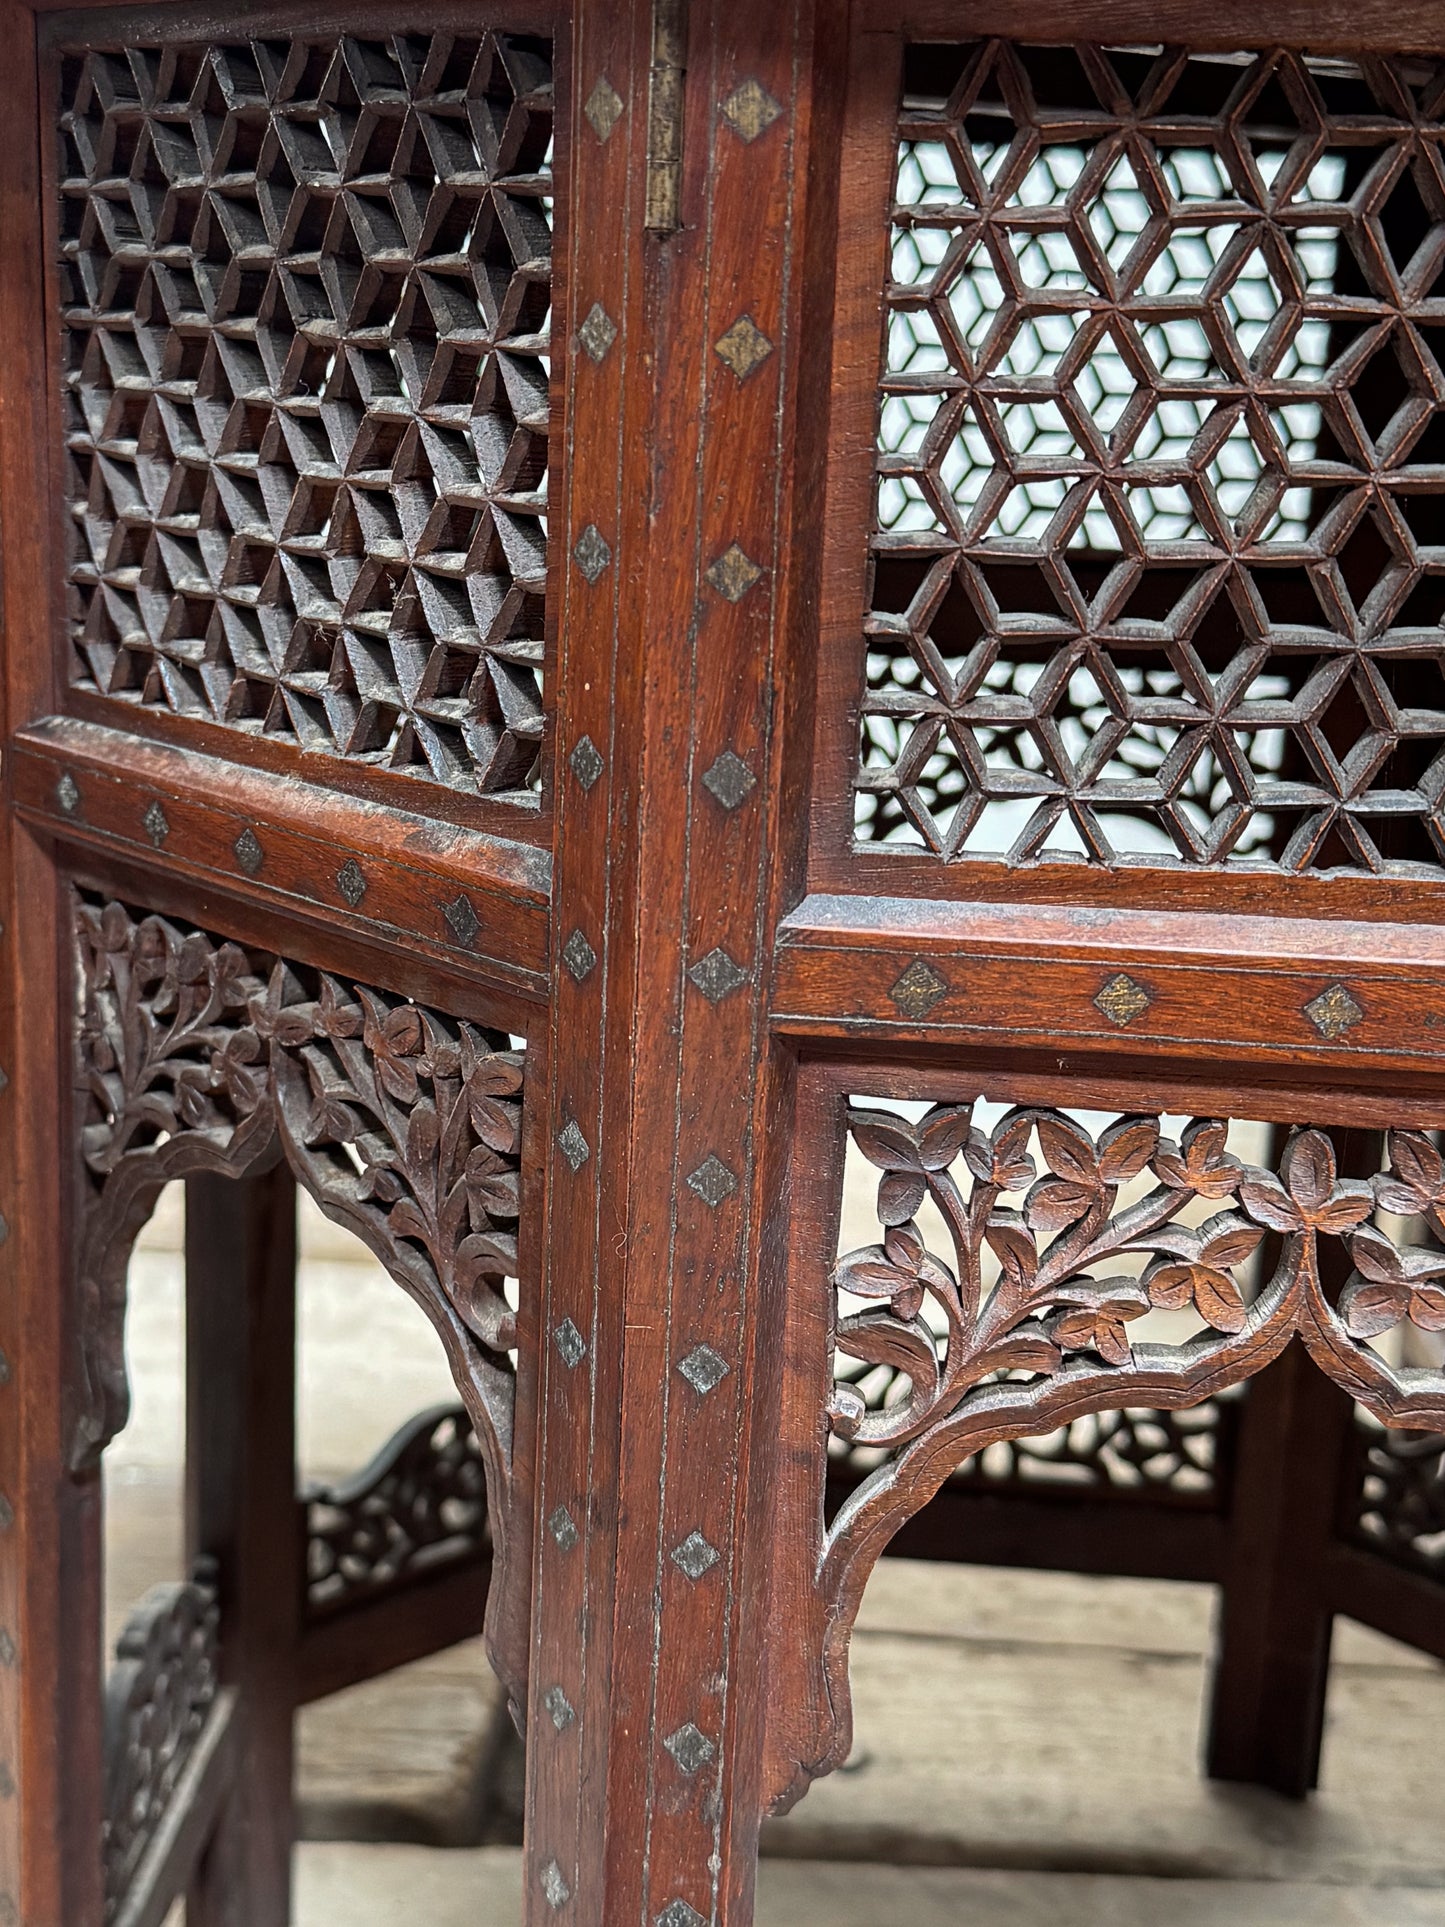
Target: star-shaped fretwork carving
x: 1159, y: 561
x: 308, y: 293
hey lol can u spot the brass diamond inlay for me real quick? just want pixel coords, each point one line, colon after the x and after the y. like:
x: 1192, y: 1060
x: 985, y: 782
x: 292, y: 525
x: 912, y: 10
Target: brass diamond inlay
x: 919, y: 989
x: 604, y: 108
x: 598, y: 332
x: 734, y: 573
x: 1122, y: 1000
x: 750, y: 110
x: 744, y: 347
x: 1333, y: 1012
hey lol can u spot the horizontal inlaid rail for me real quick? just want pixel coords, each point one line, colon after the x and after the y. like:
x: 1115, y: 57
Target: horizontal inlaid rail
x: 458, y: 896
x: 1286, y: 990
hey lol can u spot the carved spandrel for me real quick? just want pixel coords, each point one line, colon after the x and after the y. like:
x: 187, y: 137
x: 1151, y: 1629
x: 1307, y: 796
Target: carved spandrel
x: 194, y: 1054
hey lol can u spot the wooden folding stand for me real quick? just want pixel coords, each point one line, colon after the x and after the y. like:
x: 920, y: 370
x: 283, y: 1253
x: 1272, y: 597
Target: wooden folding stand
x: 626, y: 625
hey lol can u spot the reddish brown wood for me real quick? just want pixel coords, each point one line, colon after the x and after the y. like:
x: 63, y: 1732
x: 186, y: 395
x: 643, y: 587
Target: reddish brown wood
x: 241, y: 1512
x: 1272, y: 1639
x: 704, y: 969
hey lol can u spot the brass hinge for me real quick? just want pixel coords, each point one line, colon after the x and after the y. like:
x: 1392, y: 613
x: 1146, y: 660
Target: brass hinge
x: 664, y: 116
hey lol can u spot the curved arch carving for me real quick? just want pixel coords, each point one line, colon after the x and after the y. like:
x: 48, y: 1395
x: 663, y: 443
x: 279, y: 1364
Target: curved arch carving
x: 195, y: 1054
x: 1057, y: 1240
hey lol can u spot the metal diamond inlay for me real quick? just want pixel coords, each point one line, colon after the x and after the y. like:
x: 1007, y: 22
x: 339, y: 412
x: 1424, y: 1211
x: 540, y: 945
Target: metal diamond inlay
x: 67, y: 794
x: 7, y: 1514
x: 559, y: 1708
x: 1333, y: 1012
x: 156, y: 825
x: 573, y: 1146
x: 734, y: 573
x: 744, y: 347
x: 919, y: 989
x: 690, y: 1747
x: 695, y: 1556
x: 248, y: 851
x: 1122, y: 1000
x: 587, y: 763
x: 8, y: 1652
x: 598, y: 332
x: 677, y: 1913
x: 351, y: 882
x: 712, y: 1180
x: 729, y: 779
x: 563, y: 1528
x: 463, y: 919
x: 578, y: 955
x: 716, y: 974
x: 592, y: 552
x: 554, y: 1886
x: 604, y: 108
x: 570, y: 1343
x: 750, y: 110
x: 703, y: 1368
x: 7, y: 1782
x: 4, y: 1369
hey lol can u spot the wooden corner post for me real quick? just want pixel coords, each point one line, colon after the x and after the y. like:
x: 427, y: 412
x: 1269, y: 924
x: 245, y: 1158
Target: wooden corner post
x: 687, y: 547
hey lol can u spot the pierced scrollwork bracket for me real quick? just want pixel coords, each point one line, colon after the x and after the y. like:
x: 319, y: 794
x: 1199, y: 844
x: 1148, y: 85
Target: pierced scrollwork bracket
x: 194, y: 1054
x: 160, y: 1694
x: 1015, y: 1261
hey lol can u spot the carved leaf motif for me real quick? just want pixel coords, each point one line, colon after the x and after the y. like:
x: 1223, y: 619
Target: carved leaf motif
x: 1051, y: 1300
x: 402, y: 1123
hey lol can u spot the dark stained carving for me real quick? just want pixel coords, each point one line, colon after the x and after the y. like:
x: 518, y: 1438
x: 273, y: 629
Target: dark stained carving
x: 404, y: 1125
x: 159, y: 1694
x: 1056, y: 1241
x: 1401, y: 1506
x: 1158, y: 489
x: 1169, y: 1454
x: 420, y: 1506
x: 307, y: 290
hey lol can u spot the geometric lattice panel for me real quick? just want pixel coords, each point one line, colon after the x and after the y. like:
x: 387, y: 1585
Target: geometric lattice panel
x: 1158, y: 568
x: 307, y: 297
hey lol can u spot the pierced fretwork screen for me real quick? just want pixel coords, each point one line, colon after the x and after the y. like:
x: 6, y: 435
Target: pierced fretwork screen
x: 1159, y: 561
x: 307, y: 298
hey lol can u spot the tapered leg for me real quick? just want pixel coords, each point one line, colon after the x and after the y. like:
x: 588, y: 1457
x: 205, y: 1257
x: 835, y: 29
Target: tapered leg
x: 241, y: 1511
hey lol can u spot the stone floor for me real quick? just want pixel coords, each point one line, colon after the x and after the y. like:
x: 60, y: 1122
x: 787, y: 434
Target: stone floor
x: 1026, y: 1743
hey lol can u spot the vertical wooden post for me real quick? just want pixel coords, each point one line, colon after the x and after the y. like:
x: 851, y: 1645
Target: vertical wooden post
x: 1272, y: 1643
x: 1272, y: 1640
x: 241, y: 1510
x: 50, y: 1518
x: 687, y: 555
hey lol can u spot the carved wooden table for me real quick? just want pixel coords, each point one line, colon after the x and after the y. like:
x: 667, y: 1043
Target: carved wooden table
x: 612, y: 614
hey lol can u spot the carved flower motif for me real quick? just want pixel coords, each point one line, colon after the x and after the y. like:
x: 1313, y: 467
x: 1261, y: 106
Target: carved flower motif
x: 1200, y: 1162
x: 1002, y: 1159
x: 901, y: 1270
x: 1414, y: 1185
x: 1081, y: 1174
x: 1309, y: 1198
x: 1392, y: 1285
x: 908, y: 1154
x: 395, y: 1041
x: 1197, y: 1269
x: 1101, y: 1309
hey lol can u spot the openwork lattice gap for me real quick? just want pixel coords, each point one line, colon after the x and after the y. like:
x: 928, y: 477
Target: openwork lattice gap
x: 307, y: 298
x: 1159, y: 554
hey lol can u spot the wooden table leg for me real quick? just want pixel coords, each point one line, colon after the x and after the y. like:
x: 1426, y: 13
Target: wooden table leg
x: 1272, y: 1641
x: 241, y: 1511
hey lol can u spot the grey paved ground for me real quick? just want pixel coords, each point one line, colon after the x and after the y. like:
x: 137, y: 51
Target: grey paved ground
x: 1026, y: 1743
